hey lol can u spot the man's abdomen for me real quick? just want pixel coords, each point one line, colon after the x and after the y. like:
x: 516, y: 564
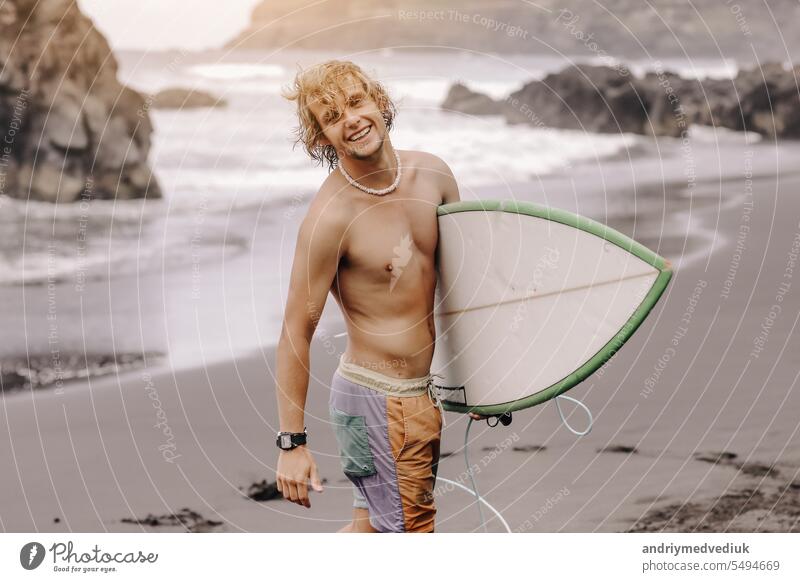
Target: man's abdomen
x: 403, y: 349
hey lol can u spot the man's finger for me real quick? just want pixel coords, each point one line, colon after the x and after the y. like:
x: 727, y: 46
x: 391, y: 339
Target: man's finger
x: 292, y: 490
x: 279, y: 484
x: 302, y: 494
x: 315, y: 480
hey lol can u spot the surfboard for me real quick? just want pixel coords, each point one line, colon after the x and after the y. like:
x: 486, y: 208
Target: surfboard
x: 532, y: 300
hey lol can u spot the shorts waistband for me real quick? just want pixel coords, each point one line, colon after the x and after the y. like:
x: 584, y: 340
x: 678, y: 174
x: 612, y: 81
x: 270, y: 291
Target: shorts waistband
x: 402, y: 387
x: 381, y: 382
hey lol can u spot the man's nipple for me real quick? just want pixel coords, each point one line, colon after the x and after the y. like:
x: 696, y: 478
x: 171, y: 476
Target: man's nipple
x: 389, y: 267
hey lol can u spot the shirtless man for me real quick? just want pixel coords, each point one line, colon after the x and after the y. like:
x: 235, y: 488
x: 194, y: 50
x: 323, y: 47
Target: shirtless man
x: 369, y: 238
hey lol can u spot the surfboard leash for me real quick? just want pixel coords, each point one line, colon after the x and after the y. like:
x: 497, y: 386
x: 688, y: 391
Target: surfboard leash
x: 505, y: 419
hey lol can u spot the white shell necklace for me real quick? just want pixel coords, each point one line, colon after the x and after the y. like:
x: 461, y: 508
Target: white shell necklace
x: 373, y: 191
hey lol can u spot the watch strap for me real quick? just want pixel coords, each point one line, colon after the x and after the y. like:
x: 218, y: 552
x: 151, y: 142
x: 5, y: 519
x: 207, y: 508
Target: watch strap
x: 294, y: 440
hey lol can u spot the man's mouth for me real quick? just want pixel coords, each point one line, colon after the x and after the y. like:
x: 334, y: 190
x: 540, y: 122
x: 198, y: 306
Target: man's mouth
x: 360, y: 134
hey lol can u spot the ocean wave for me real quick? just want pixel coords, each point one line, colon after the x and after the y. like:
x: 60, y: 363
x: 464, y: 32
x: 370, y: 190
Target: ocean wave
x: 79, y: 243
x: 486, y: 150
x: 237, y: 71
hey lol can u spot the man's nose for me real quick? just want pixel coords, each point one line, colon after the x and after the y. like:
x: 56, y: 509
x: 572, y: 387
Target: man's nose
x: 350, y: 119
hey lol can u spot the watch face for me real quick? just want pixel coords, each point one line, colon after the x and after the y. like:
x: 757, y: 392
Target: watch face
x: 286, y: 441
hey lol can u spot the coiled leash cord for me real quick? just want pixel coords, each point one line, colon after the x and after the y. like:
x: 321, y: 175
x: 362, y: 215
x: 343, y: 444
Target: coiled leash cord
x: 505, y: 420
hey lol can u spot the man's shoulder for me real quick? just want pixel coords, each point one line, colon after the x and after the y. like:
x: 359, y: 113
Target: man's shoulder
x: 440, y: 173
x: 425, y: 160
x: 328, y: 190
x: 432, y: 165
x: 328, y: 208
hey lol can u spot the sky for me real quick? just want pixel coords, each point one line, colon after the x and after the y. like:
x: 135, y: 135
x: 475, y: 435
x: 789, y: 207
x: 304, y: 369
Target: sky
x: 165, y: 24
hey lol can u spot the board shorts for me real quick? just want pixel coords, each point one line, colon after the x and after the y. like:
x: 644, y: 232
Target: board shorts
x: 388, y: 431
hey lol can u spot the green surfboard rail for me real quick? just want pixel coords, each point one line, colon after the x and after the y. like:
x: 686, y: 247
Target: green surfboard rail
x: 612, y: 346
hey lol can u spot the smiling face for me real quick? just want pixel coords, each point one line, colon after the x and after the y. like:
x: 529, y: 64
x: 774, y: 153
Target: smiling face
x: 336, y: 99
x: 352, y: 123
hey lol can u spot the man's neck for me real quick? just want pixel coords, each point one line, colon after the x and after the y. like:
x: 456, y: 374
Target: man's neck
x: 376, y: 173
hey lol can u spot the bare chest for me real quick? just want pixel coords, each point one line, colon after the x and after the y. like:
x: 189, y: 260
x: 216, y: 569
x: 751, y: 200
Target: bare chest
x: 390, y: 234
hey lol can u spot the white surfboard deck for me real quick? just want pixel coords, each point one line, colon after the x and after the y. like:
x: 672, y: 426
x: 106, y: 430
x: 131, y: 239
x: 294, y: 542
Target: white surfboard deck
x: 531, y: 300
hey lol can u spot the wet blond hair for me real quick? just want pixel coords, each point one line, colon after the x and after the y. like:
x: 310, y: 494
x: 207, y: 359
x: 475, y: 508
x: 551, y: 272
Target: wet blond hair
x: 322, y: 83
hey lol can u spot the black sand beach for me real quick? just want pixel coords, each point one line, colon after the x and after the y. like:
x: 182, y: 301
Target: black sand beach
x: 695, y: 425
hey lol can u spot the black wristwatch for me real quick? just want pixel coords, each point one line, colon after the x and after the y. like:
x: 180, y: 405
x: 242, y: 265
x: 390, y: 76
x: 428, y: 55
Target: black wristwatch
x: 290, y: 440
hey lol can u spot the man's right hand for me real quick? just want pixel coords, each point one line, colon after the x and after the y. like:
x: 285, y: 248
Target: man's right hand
x: 295, y: 468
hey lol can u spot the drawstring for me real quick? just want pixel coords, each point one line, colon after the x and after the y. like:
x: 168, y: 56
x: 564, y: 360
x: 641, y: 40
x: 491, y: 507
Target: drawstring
x: 433, y: 394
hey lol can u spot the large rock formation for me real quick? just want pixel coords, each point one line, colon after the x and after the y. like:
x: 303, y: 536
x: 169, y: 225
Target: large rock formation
x: 591, y: 98
x: 68, y: 128
x: 765, y: 100
x: 620, y: 28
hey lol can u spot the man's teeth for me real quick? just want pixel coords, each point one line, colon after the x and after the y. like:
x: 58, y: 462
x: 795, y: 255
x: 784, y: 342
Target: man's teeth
x: 360, y: 134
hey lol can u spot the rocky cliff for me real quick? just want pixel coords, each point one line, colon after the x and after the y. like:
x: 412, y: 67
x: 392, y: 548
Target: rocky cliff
x: 69, y: 129
x: 624, y: 29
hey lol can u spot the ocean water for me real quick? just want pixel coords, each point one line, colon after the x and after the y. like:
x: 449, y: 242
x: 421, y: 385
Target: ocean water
x: 202, y: 274
x: 217, y: 159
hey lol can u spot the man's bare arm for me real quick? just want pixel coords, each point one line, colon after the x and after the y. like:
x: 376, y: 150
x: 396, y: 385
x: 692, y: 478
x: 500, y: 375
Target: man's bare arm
x: 315, y: 263
x: 319, y: 247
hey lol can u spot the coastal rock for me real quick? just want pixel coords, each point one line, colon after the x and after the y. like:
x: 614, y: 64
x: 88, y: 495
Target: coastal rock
x: 178, y: 98
x: 50, y: 183
x: 769, y: 100
x: 44, y: 371
x: 717, y: 457
x: 590, y: 98
x: 12, y: 380
x: 529, y: 449
x: 186, y: 519
x: 264, y: 491
x: 69, y: 128
x: 769, y: 507
x: 463, y: 99
x: 618, y: 449
x: 601, y: 99
x: 64, y: 129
